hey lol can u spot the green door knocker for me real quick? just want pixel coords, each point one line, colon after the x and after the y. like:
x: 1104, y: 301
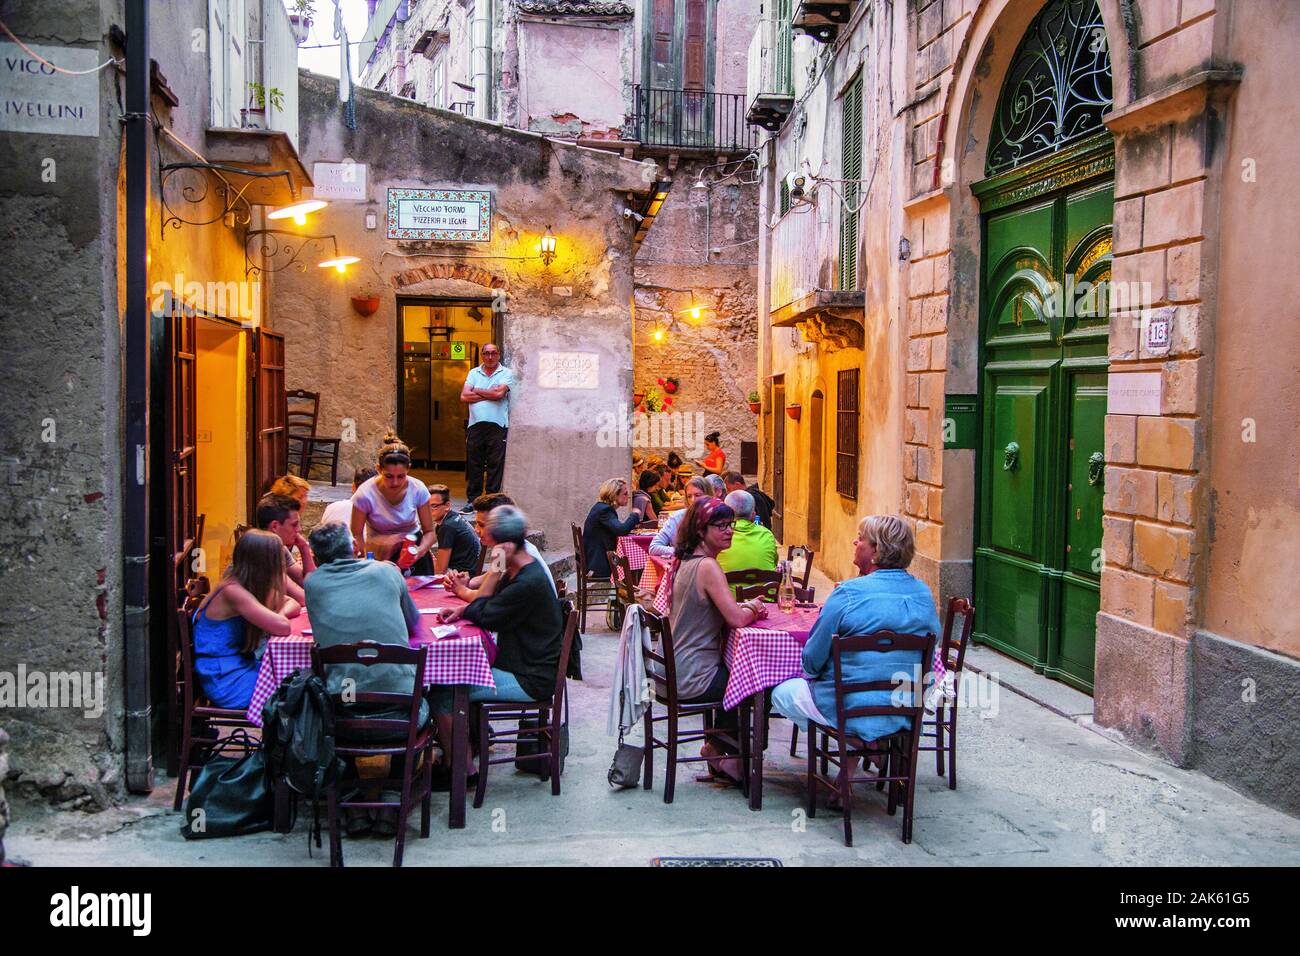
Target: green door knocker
x: 1011, y: 457
x: 1096, y: 467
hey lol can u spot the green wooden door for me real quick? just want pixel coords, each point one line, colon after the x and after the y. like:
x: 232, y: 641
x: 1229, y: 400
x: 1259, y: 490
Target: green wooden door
x: 1043, y: 406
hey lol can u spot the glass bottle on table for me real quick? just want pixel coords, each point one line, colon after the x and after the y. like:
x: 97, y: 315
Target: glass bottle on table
x: 785, y: 591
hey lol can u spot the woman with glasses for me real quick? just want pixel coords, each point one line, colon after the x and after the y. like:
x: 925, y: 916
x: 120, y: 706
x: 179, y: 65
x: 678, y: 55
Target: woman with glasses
x: 702, y: 610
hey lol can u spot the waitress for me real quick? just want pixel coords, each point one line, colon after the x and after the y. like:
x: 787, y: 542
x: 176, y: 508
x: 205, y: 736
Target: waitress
x: 392, y: 505
x: 715, y: 462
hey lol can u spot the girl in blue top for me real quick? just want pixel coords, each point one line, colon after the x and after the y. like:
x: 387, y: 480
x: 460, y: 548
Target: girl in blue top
x: 248, y: 603
x: 884, y: 598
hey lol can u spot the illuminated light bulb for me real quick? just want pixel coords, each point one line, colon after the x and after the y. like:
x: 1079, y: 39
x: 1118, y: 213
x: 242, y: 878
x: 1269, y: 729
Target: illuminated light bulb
x: 297, y: 211
x: 658, y: 335
x: 340, y: 263
x: 695, y: 313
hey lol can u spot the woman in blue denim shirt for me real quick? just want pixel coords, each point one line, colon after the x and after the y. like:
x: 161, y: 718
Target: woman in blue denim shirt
x: 884, y: 598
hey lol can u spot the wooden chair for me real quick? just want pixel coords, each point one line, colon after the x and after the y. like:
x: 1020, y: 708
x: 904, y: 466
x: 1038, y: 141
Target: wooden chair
x: 351, y: 740
x: 188, y: 598
x: 302, y: 410
x: 768, y: 592
x: 591, y: 591
x: 624, y: 579
x: 661, y: 636
x: 898, y: 750
x: 944, y: 724
x: 550, y: 715
x: 201, y: 722
x: 753, y: 576
x: 807, y: 553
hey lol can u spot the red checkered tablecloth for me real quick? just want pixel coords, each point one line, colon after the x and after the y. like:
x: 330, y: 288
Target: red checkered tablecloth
x: 653, y: 576
x: 764, y: 655
x: 635, y: 547
x: 465, y: 658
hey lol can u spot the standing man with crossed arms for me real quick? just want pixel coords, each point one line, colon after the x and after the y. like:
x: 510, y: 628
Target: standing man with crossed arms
x: 487, y: 392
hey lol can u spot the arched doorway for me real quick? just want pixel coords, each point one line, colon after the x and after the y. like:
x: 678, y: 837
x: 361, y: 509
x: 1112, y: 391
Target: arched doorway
x: 1046, y: 206
x: 816, y: 480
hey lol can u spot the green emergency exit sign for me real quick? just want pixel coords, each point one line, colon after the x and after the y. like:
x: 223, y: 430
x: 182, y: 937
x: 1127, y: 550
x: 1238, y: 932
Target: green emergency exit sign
x: 459, y: 351
x: 959, y: 421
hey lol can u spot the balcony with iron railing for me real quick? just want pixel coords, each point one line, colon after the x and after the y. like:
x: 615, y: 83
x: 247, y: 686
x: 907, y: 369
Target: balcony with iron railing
x: 692, y: 119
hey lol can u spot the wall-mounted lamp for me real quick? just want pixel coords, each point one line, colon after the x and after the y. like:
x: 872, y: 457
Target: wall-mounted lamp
x: 297, y: 211
x: 285, y: 249
x: 340, y: 263
x: 547, y: 246
x: 658, y: 334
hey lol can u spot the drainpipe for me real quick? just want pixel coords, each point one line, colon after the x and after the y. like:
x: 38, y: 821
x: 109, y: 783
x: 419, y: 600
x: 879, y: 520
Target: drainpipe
x: 480, y: 62
x: 135, y: 478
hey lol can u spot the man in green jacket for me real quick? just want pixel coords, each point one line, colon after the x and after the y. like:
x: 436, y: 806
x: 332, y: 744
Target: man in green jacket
x: 752, y: 546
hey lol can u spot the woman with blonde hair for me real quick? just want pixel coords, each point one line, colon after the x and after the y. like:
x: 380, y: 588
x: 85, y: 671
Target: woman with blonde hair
x: 291, y: 486
x: 602, y: 529
x: 392, y: 505
x: 248, y: 604
x: 883, y: 598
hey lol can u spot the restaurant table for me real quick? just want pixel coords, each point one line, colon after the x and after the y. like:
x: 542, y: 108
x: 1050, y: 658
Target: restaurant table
x: 652, y: 575
x: 459, y: 661
x: 759, y: 657
x: 636, y: 548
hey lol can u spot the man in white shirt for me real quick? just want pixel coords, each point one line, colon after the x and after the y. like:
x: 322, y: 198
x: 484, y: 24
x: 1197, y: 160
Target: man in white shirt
x: 340, y: 512
x: 487, y: 393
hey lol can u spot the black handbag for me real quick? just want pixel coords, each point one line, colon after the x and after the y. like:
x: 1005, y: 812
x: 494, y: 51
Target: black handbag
x: 230, y: 797
x: 625, y: 771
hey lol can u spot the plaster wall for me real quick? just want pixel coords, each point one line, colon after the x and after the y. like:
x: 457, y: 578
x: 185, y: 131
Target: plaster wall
x: 59, y: 426
x: 805, y: 257
x: 581, y: 302
x: 701, y: 252
x: 1255, y: 423
x: 572, y: 78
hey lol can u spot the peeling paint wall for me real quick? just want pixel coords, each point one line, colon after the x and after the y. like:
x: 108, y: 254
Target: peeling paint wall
x: 571, y: 78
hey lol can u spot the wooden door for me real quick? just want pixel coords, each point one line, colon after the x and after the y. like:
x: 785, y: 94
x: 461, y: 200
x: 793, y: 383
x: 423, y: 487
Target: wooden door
x: 180, y: 341
x: 678, y: 74
x: 816, y: 478
x: 270, y: 436
x: 1043, y: 398
x: 778, y: 457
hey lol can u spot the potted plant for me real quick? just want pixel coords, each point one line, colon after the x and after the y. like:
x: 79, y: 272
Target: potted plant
x: 366, y: 302
x: 653, y: 400
x: 669, y: 385
x: 754, y: 404
x: 300, y: 19
x: 254, y: 116
x: 793, y: 412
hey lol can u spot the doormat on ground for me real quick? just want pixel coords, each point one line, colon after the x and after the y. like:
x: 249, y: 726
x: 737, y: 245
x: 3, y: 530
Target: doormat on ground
x: 714, y: 861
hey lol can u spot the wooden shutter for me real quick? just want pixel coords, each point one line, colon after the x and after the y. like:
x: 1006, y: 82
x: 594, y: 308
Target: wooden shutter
x: 237, y: 96
x: 846, y: 433
x: 851, y: 169
x: 271, y: 442
x: 181, y: 335
x: 217, y: 62
x: 784, y: 47
x: 695, y: 65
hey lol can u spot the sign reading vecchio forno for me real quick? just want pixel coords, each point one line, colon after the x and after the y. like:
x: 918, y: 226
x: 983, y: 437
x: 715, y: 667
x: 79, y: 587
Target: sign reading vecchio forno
x: 446, y: 215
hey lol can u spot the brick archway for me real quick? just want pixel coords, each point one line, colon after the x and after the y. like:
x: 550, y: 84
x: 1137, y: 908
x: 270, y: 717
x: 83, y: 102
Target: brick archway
x: 448, y: 270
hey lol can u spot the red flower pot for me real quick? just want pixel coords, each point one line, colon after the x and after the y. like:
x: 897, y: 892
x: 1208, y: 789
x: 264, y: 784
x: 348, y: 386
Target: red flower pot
x: 755, y: 407
x: 793, y: 412
x: 670, y: 386
x: 638, y: 398
x: 366, y: 304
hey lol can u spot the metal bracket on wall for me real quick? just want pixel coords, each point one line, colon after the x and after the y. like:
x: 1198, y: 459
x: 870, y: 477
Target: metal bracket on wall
x: 273, y: 247
x: 194, y: 182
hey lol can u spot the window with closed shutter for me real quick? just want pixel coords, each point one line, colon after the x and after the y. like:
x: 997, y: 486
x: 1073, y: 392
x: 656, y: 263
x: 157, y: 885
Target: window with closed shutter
x: 846, y: 433
x: 851, y: 171
x: 784, y: 46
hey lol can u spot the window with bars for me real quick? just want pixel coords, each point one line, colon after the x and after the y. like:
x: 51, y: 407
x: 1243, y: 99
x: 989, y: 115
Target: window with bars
x: 850, y: 171
x: 846, y: 433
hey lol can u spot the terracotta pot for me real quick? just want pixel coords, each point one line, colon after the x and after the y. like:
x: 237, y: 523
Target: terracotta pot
x: 365, y: 304
x: 755, y: 407
x: 793, y: 411
x: 638, y: 398
x: 670, y: 388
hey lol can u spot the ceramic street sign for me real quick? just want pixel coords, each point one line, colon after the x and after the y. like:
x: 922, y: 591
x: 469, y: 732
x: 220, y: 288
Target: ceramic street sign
x: 446, y: 215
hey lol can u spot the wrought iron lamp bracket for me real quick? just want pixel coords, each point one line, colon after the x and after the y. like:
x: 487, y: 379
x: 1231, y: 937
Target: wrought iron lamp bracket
x: 271, y: 247
x: 235, y: 200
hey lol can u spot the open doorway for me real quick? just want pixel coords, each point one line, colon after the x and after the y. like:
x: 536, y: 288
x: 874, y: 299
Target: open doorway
x: 221, y: 375
x: 438, y: 343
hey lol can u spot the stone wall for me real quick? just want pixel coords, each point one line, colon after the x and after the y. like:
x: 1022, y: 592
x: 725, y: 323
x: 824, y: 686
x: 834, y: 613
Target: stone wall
x: 677, y: 268
x: 581, y: 302
x: 60, y: 420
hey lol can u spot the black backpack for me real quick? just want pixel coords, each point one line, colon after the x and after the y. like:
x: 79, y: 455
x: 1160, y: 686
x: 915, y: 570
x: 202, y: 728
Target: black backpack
x: 298, y: 735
